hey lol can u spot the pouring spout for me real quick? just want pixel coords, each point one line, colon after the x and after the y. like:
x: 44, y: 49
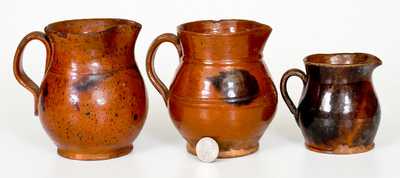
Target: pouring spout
x: 376, y: 61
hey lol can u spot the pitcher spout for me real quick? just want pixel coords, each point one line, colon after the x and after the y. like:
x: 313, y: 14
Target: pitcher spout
x: 375, y: 61
x: 263, y: 33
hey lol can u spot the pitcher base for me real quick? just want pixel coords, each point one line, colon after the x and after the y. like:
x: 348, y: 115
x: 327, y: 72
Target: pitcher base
x: 95, y: 156
x: 232, y: 153
x: 343, y: 149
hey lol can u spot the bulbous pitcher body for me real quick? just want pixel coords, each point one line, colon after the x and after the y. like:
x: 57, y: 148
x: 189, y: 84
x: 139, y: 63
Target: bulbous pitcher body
x: 338, y: 111
x: 222, y: 89
x: 92, y: 100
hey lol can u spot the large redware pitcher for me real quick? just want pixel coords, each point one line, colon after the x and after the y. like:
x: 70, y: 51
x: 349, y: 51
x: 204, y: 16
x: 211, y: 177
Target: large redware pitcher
x: 222, y: 88
x: 92, y: 100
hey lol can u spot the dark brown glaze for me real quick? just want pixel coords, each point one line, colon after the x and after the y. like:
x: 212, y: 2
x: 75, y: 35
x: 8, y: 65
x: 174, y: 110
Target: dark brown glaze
x: 92, y: 101
x: 236, y: 86
x: 222, y: 88
x: 338, y: 111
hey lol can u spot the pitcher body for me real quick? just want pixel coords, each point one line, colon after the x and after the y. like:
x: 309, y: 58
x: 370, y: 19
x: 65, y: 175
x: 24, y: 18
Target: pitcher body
x: 92, y: 101
x: 339, y: 111
x: 222, y: 88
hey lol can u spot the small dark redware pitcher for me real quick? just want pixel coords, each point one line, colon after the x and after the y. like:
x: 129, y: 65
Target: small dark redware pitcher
x: 338, y: 112
x: 222, y: 88
x: 92, y: 100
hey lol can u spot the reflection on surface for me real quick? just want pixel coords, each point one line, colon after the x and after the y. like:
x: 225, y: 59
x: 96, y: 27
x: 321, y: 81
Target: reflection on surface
x: 99, y: 96
x: 94, y: 67
x: 73, y: 98
x: 326, y: 102
x: 347, y: 104
x: 339, y: 102
x: 206, y: 89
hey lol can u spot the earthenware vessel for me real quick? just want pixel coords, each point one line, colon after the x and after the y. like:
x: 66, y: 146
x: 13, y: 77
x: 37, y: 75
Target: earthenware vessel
x: 338, y: 112
x: 222, y: 88
x: 92, y: 100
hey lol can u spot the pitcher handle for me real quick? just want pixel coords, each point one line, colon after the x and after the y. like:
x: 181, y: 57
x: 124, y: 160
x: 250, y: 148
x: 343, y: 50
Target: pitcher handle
x: 155, y: 80
x: 284, y: 92
x: 19, y: 72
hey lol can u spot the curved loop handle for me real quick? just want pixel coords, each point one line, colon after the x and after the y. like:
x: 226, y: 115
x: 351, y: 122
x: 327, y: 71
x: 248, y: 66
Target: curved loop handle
x: 19, y: 72
x: 285, y: 95
x: 155, y: 80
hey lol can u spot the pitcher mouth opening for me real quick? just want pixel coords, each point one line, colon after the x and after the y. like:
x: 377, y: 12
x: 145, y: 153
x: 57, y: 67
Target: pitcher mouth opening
x: 342, y: 60
x: 222, y: 27
x: 89, y: 26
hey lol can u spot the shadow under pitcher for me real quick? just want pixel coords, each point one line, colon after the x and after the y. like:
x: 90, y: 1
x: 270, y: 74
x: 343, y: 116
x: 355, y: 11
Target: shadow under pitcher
x: 92, y: 99
x: 222, y: 88
x: 339, y: 112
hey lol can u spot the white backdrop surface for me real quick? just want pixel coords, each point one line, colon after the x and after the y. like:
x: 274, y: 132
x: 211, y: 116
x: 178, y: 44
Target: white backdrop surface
x: 300, y: 28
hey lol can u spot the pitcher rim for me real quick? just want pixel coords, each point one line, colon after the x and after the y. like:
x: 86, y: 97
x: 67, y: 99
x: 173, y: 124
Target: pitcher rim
x: 50, y: 27
x: 372, y: 60
x: 181, y: 28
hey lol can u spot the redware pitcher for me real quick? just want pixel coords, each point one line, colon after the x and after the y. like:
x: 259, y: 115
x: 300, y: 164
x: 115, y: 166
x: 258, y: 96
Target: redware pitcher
x: 222, y: 88
x: 92, y: 100
x: 339, y: 111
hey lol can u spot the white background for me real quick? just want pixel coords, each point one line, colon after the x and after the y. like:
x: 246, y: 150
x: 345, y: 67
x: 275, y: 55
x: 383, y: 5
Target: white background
x: 300, y: 28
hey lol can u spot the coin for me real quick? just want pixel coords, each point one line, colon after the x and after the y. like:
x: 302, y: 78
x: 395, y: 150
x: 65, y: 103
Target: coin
x: 207, y: 149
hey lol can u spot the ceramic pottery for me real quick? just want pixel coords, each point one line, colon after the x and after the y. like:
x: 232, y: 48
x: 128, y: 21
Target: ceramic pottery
x: 222, y: 88
x: 92, y: 100
x: 338, y: 112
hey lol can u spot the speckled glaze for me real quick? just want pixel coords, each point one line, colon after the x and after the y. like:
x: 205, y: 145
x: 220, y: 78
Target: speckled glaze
x: 92, y: 100
x: 339, y: 112
x: 222, y: 88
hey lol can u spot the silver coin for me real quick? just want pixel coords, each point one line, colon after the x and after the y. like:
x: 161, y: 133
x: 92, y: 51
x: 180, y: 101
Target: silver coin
x: 207, y: 149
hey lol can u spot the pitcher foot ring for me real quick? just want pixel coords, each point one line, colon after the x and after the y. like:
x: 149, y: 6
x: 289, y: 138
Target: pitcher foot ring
x: 343, y: 149
x: 228, y: 153
x: 95, y: 156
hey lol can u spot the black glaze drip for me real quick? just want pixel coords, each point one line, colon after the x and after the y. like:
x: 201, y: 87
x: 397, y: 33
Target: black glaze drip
x: 237, y: 87
x: 89, y: 81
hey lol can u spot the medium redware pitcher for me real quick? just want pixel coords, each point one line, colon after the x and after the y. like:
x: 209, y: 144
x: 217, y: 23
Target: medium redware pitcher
x: 92, y: 100
x: 222, y: 88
